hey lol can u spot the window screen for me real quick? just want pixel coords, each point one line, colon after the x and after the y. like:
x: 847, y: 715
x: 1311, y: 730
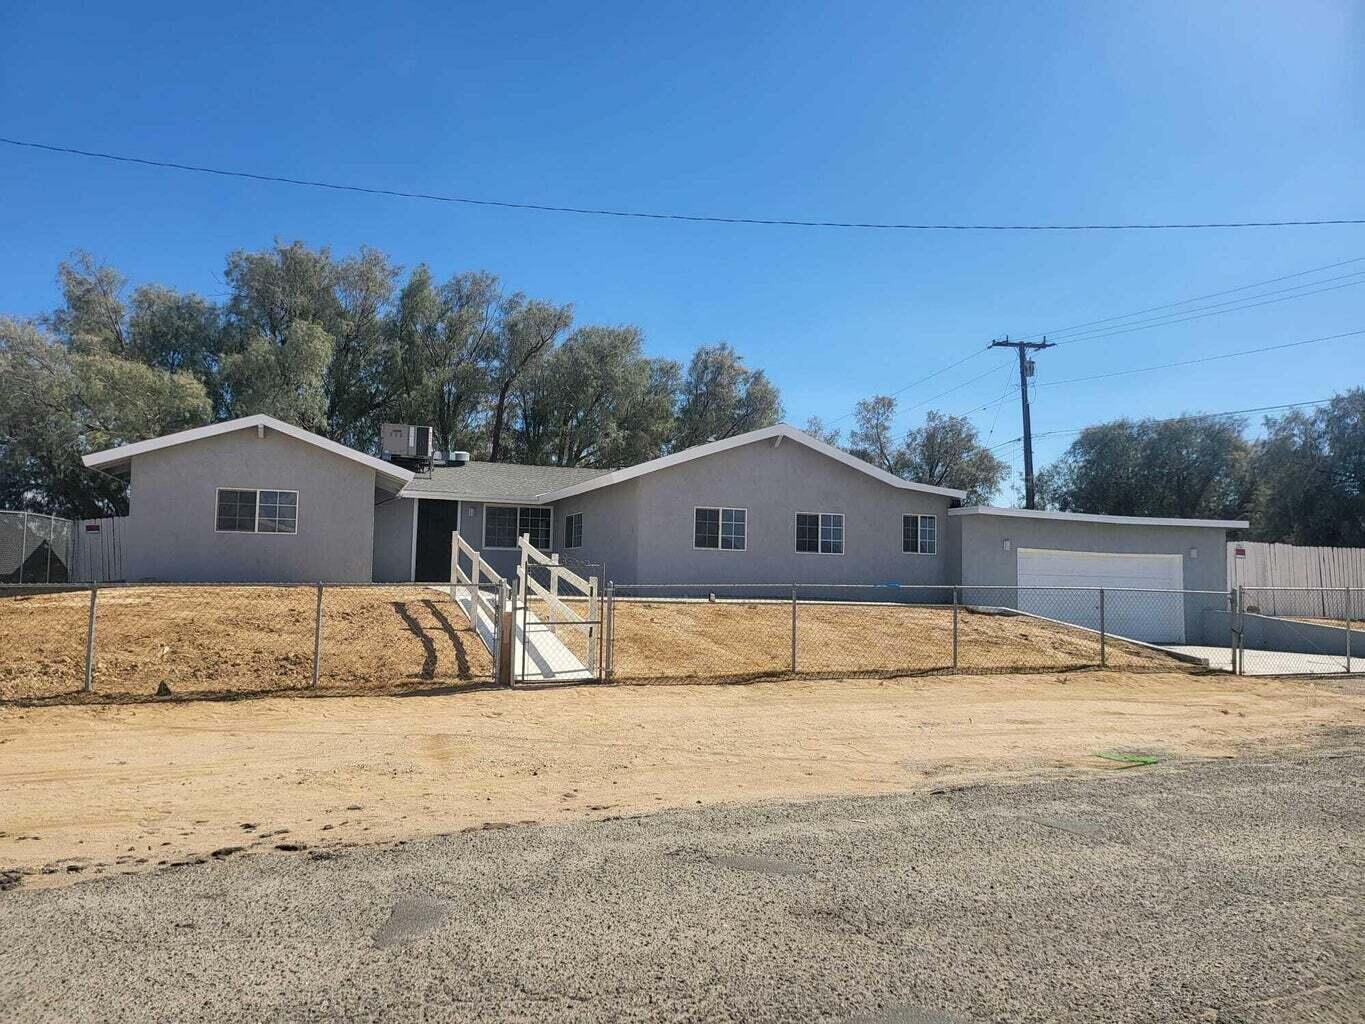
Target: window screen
x: 500, y: 526
x: 534, y: 521
x: 831, y: 533
x: 236, y: 511
x: 279, y: 512
x: 919, y: 534
x: 706, y: 528
x: 820, y: 532
x: 733, y: 524
x: 573, y: 530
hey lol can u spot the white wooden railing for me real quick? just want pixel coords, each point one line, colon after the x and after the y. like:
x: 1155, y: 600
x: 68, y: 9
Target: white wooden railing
x: 481, y: 580
x: 560, y: 612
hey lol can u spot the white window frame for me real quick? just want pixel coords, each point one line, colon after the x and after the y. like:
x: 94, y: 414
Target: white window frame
x: 843, y: 532
x: 512, y: 547
x: 720, y: 510
x: 919, y: 518
x: 256, y: 530
x: 568, y: 529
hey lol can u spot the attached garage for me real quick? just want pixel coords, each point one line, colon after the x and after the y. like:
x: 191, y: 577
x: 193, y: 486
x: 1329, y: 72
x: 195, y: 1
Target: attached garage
x: 1156, y: 618
x: 1133, y: 558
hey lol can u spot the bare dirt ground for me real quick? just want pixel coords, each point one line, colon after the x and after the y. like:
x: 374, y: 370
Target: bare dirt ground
x: 697, y: 639
x: 233, y: 640
x: 95, y: 790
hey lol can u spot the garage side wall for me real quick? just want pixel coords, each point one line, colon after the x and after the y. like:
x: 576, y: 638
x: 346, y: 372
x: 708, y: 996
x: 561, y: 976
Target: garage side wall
x: 985, y: 562
x: 170, y: 531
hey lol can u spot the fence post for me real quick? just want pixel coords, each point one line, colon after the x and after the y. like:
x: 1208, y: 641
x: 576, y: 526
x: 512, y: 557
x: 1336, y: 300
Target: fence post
x: 1241, y: 630
x: 317, y: 636
x: 793, y: 629
x: 23, y: 546
x: 1348, y: 629
x: 956, y: 602
x: 1232, y: 630
x: 609, y: 630
x: 1103, y: 653
x: 89, y: 686
x: 594, y: 627
x: 506, y: 631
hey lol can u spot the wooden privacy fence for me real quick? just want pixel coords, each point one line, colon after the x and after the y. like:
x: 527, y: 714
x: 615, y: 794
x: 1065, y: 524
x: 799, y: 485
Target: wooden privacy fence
x: 1253, y: 565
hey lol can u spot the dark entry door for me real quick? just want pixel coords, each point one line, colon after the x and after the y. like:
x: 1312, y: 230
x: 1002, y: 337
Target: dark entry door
x: 436, y: 521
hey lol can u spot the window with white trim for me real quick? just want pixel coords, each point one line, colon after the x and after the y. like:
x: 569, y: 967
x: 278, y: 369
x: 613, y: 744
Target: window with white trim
x: 919, y: 534
x: 247, y: 510
x: 503, y: 524
x: 722, y: 529
x: 573, y: 530
x: 820, y: 533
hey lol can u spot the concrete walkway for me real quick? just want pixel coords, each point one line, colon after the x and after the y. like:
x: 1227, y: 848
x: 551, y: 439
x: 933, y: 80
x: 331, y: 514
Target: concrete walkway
x: 537, y: 657
x: 1273, y: 663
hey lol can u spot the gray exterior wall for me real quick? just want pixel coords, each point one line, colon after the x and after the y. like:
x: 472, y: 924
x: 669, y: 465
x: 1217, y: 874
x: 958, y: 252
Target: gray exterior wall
x: 395, y: 526
x: 985, y: 562
x: 503, y: 560
x: 643, y: 529
x: 172, y: 502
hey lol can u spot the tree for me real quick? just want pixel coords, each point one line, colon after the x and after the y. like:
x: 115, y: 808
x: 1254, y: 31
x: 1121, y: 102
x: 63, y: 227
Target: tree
x: 596, y: 401
x: 1191, y: 467
x: 443, y: 343
x: 721, y: 398
x: 528, y: 330
x: 817, y: 429
x: 1311, y: 467
x: 871, y: 438
x: 947, y: 452
x: 57, y: 403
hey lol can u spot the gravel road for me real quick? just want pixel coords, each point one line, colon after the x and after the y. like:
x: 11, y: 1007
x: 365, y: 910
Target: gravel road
x: 1197, y: 891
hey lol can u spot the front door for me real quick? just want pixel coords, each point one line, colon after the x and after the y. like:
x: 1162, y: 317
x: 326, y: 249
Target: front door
x: 436, y: 521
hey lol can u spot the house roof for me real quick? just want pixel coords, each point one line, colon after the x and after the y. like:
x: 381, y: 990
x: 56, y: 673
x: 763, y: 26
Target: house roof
x: 1087, y: 517
x: 496, y: 482
x: 777, y: 434
x: 114, y: 459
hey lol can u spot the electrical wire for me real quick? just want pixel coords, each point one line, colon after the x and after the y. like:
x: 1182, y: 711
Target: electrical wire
x: 1202, y: 359
x: 647, y: 215
x: 1173, y: 419
x: 1057, y: 332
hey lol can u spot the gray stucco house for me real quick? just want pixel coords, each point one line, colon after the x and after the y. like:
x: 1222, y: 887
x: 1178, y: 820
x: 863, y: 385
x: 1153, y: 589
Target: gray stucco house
x: 256, y: 499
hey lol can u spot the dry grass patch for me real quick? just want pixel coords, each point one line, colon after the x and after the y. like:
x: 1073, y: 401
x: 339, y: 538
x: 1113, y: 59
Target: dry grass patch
x: 691, y: 640
x: 224, y: 640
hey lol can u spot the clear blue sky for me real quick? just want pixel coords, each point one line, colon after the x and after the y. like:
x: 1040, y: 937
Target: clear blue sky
x: 1067, y: 113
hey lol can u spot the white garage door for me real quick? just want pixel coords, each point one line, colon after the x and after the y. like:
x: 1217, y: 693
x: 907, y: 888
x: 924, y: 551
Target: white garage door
x: 1154, y: 618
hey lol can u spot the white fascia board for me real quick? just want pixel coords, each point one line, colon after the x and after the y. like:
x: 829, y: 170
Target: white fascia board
x: 114, y: 456
x: 1087, y: 517
x: 777, y: 432
x: 447, y: 496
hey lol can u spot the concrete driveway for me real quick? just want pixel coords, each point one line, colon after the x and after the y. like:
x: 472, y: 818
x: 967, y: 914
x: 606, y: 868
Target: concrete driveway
x: 1224, y: 891
x: 1274, y: 663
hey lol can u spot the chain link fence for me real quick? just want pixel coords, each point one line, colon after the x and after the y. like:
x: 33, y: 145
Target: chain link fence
x: 1298, y: 630
x: 35, y: 548
x: 134, y: 641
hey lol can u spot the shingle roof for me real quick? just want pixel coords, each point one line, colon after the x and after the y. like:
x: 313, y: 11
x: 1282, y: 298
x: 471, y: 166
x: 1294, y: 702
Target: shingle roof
x: 496, y: 481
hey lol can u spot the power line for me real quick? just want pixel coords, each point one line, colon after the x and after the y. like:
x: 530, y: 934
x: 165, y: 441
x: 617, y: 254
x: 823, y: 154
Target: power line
x: 1202, y: 359
x: 921, y: 380
x: 1063, y: 331
x: 647, y: 215
x: 1198, y: 312
x: 1172, y: 419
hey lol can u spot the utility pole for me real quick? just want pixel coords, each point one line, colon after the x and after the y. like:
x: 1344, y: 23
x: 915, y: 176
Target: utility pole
x: 1025, y: 372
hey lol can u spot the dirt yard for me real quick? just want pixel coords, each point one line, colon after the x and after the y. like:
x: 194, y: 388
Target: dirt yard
x: 233, y: 640
x: 695, y: 639
x: 91, y: 790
